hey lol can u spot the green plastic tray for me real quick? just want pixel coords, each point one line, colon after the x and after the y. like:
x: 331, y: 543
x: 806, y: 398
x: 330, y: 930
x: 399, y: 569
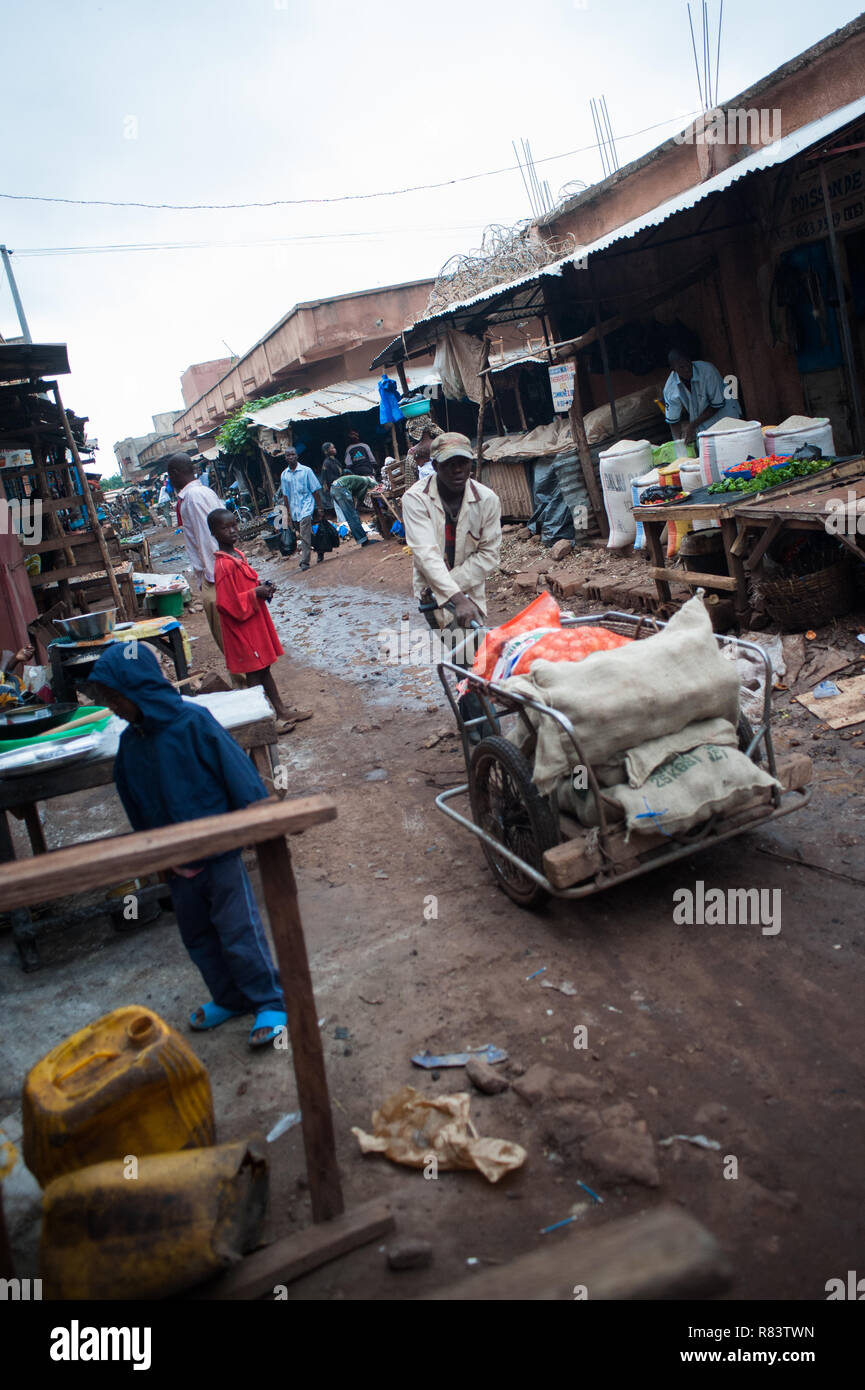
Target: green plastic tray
x: 7, y: 745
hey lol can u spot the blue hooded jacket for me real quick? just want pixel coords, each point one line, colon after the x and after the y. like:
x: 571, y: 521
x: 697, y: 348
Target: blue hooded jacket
x: 177, y: 763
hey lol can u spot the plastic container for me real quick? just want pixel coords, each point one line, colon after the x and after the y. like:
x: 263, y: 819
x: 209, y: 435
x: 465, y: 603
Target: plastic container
x: 412, y: 408
x: 169, y: 605
x: 126, y: 1084
x: 721, y: 448
x: 818, y: 432
x: 618, y: 466
x: 152, y: 1227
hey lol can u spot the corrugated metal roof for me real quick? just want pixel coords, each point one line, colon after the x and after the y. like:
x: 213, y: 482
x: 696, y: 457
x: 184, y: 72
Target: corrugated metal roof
x: 20, y: 360
x: 342, y: 398
x: 766, y: 157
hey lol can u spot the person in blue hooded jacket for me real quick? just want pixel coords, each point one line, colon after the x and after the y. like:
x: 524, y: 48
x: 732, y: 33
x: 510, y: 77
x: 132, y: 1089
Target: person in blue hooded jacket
x: 176, y: 763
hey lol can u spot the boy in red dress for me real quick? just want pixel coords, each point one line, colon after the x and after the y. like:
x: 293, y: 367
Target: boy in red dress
x: 249, y: 636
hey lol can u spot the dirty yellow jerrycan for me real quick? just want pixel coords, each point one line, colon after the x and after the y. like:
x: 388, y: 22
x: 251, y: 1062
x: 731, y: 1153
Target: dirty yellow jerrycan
x: 179, y: 1219
x: 124, y: 1086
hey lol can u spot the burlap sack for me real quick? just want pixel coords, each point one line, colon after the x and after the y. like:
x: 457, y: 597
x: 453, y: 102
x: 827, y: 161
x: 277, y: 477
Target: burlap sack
x: 686, y: 790
x: 683, y: 792
x: 620, y: 699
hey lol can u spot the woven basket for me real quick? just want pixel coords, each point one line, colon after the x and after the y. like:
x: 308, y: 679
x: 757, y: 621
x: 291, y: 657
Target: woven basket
x: 809, y: 600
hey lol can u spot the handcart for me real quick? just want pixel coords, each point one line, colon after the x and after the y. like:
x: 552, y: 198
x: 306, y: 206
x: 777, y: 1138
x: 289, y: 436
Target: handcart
x: 535, y: 849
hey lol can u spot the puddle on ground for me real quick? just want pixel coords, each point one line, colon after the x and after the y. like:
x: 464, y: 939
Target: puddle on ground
x: 361, y: 637
x: 350, y: 632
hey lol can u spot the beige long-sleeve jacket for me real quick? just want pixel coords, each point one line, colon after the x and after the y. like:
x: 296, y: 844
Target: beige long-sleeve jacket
x: 478, y: 540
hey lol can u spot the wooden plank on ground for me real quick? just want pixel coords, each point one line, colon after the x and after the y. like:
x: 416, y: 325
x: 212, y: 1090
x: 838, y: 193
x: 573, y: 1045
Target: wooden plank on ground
x: 101, y: 863
x: 692, y: 578
x: 839, y: 711
x: 288, y: 1259
x: 663, y: 1254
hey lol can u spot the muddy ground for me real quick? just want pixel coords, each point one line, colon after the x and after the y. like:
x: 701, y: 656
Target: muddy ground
x: 751, y: 1040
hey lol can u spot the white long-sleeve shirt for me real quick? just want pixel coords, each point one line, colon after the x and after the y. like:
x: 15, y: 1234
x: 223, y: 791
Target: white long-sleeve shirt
x: 196, y: 504
x: 478, y: 540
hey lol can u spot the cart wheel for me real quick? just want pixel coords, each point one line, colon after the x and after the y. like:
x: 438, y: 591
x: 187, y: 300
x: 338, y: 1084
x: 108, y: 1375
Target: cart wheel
x: 508, y: 806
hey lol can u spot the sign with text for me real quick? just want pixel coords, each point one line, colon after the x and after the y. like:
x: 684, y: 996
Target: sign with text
x: 562, y: 386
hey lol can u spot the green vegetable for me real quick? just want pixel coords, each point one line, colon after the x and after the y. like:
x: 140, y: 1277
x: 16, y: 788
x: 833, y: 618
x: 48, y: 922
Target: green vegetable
x: 772, y: 477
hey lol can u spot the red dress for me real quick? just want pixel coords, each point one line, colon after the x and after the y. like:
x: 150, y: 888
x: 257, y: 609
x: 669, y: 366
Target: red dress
x: 248, y: 636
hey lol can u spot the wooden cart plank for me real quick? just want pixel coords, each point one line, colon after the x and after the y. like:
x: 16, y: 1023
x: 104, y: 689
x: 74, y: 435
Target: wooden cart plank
x: 101, y: 863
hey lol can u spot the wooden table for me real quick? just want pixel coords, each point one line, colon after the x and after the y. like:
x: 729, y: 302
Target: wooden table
x: 69, y: 660
x: 21, y: 796
x: 799, y: 505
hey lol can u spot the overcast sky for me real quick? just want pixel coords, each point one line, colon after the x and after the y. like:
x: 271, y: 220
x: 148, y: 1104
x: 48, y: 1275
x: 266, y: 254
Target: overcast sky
x: 250, y: 100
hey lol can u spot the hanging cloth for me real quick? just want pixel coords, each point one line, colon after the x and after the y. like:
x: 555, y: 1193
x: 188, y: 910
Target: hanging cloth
x: 389, y: 411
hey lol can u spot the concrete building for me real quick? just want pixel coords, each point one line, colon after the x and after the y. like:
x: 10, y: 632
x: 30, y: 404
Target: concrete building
x: 317, y: 343
x: 162, y: 439
x: 199, y: 378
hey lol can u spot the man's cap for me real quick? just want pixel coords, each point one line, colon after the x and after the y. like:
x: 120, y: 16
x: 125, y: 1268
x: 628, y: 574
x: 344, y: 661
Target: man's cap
x: 451, y: 446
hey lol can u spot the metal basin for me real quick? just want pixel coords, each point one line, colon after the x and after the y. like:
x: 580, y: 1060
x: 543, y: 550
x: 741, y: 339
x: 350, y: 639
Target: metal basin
x: 31, y: 720
x: 88, y: 625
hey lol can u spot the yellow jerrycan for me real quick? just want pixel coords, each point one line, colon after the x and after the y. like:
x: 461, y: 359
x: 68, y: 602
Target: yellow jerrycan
x: 126, y: 1085
x: 109, y: 1232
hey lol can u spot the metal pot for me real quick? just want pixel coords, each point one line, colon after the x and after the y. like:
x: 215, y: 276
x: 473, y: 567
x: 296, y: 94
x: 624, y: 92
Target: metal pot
x: 88, y: 625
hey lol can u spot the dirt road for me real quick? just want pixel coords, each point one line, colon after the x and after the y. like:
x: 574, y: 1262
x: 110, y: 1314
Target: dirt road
x: 751, y: 1040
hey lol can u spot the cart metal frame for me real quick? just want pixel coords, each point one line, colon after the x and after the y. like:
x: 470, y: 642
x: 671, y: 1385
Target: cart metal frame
x: 497, y: 702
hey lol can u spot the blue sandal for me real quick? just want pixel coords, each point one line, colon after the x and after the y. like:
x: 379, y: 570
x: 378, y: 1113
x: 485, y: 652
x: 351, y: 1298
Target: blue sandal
x: 272, y: 1020
x: 214, y: 1015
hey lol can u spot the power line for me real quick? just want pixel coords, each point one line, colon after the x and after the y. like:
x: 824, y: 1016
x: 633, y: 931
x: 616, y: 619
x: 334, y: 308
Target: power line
x: 341, y: 198
x: 315, y: 238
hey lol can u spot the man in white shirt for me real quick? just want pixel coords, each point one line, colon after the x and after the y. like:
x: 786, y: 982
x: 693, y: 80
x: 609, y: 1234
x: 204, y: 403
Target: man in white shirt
x: 196, y: 502
x: 454, y: 530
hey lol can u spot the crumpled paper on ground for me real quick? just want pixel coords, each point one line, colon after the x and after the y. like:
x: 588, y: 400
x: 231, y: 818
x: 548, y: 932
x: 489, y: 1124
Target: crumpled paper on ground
x: 410, y: 1128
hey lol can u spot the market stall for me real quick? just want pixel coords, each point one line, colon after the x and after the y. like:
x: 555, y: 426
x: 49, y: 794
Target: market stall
x: 801, y: 505
x: 72, y: 560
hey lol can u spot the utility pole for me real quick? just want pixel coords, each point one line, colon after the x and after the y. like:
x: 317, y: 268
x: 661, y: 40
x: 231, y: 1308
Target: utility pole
x: 19, y: 307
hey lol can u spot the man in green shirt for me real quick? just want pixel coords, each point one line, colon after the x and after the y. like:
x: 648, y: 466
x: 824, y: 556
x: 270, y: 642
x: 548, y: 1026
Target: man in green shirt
x: 348, y: 492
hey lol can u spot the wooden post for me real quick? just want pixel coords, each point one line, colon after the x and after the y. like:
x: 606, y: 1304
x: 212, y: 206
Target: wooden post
x: 393, y: 441
x: 578, y: 434
x: 843, y: 316
x: 497, y: 414
x: 265, y: 463
x: 602, y: 343
x: 485, y: 362
x: 280, y: 893
x: 55, y: 528
x: 403, y: 381
x: 88, y: 503
x: 520, y: 408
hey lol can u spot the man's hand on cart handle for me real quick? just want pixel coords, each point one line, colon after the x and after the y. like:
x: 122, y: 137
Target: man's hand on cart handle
x: 465, y: 610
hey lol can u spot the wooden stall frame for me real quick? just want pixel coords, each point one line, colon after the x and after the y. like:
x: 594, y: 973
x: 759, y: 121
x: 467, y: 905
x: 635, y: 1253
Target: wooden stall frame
x: 102, y: 863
